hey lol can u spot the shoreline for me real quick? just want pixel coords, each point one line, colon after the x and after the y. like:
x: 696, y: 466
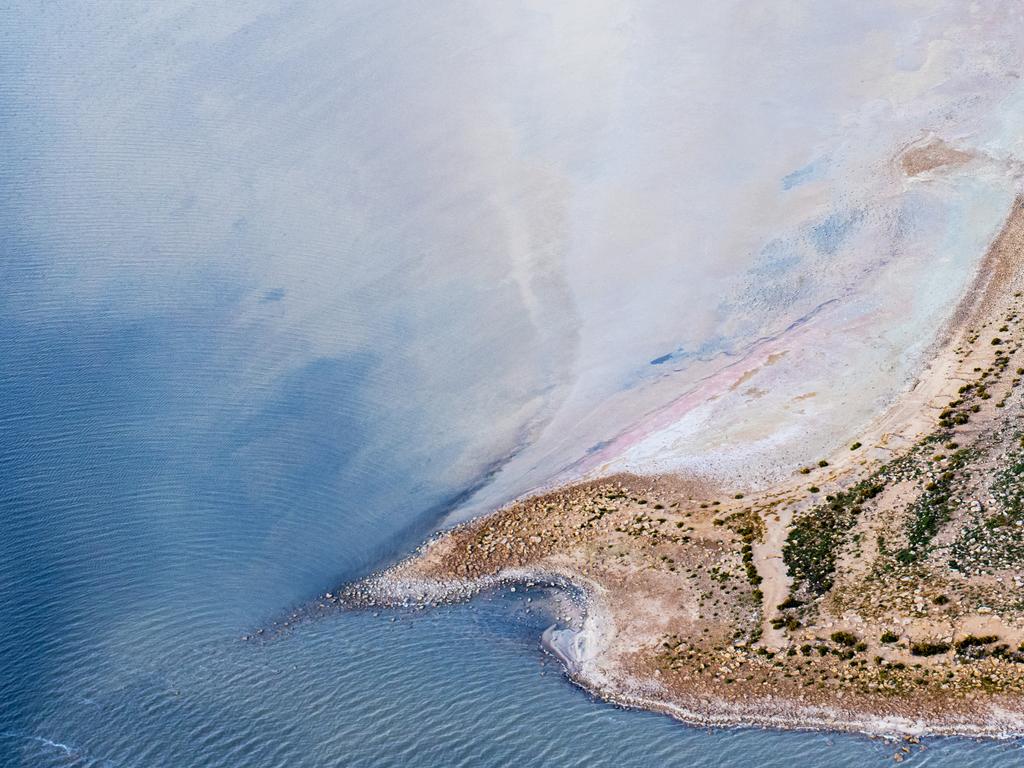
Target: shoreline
x: 381, y: 591
x: 723, y: 610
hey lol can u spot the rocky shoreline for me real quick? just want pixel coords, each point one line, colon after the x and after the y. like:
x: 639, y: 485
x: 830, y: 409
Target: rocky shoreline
x: 389, y: 590
x: 876, y: 591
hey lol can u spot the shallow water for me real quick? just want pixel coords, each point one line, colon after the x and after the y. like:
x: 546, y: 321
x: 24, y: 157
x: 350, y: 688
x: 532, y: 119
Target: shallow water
x: 282, y: 287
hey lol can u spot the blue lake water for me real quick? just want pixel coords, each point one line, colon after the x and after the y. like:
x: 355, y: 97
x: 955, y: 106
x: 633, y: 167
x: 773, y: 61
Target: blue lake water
x: 152, y: 513
x: 241, y: 362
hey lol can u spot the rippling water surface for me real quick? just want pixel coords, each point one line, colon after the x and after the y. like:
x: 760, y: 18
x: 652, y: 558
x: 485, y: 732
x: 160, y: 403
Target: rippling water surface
x: 271, y: 308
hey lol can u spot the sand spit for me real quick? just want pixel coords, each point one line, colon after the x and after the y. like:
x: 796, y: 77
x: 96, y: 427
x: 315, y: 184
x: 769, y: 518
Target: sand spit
x: 878, y: 590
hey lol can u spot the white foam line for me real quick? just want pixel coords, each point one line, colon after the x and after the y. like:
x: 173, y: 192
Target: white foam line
x: 580, y: 652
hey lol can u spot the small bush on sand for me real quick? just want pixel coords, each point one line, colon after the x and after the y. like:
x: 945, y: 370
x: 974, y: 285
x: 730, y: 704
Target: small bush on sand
x: 928, y: 648
x: 844, y: 638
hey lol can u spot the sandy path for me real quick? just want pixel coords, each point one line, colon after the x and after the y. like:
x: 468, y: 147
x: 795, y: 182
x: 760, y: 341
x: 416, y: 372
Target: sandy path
x: 770, y: 566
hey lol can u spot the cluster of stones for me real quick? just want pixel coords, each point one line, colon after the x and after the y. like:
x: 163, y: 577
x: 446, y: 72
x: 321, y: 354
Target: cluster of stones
x: 843, y: 662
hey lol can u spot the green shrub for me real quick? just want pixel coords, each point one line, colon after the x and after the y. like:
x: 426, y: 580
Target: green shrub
x: 928, y: 648
x: 975, y: 640
x: 844, y: 638
x: 816, y: 535
x: 932, y: 509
